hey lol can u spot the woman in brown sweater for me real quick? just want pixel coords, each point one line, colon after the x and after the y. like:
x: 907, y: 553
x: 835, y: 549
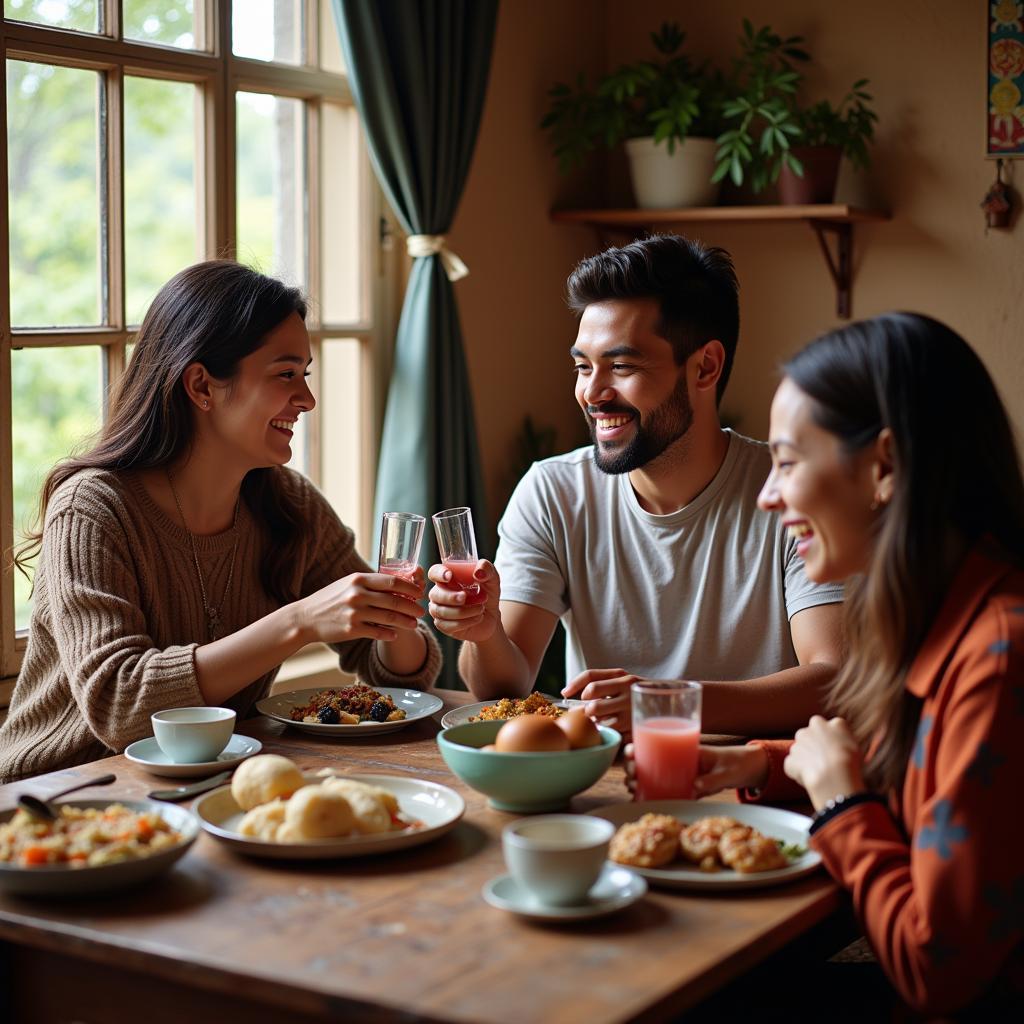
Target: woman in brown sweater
x: 180, y: 562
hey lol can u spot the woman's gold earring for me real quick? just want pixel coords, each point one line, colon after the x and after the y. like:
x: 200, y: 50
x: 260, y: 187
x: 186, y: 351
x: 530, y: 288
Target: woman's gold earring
x: 206, y: 404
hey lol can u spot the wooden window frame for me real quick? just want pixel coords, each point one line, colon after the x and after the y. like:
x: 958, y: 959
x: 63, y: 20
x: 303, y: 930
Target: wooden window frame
x: 218, y: 75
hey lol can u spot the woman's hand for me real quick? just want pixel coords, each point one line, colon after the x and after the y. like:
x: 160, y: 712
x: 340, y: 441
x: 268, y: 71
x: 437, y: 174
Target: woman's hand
x: 607, y: 689
x: 718, y: 768
x: 450, y: 612
x: 826, y: 760
x: 373, y: 605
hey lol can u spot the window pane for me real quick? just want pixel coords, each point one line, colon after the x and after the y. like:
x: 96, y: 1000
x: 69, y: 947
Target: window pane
x: 53, y: 144
x: 271, y: 214
x: 342, y: 207
x: 159, y: 186
x: 57, y: 396
x: 341, y: 429
x: 268, y: 30
x: 170, y: 22
x: 331, y: 57
x: 82, y: 15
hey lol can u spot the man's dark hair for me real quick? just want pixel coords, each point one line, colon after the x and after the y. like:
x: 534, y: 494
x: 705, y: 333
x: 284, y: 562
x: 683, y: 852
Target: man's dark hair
x: 695, y: 285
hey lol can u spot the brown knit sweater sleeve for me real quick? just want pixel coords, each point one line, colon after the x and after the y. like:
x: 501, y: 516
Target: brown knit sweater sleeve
x: 92, y: 674
x: 117, y: 676
x: 333, y: 556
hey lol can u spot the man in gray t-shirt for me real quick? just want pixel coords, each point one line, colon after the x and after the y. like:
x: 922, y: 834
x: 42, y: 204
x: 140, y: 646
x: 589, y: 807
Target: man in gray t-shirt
x: 649, y: 545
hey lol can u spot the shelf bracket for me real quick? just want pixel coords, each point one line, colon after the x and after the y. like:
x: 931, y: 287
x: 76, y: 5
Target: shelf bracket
x: 841, y: 265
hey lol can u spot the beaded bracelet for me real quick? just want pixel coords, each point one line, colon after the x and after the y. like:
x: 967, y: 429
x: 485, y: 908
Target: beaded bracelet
x: 838, y: 804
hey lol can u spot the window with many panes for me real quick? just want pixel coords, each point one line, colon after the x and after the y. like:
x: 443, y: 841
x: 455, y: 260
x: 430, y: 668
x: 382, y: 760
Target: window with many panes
x: 142, y: 136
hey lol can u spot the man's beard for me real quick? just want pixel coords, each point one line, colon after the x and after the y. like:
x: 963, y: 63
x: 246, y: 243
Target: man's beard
x: 669, y: 422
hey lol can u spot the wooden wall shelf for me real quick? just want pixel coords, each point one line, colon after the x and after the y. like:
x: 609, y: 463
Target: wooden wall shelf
x: 834, y: 218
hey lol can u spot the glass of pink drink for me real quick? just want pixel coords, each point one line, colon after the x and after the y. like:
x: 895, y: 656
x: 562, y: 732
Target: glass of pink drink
x: 401, y: 534
x: 456, y: 542
x: 666, y: 735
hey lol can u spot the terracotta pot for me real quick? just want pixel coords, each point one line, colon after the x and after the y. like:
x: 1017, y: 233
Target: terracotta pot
x: 818, y: 185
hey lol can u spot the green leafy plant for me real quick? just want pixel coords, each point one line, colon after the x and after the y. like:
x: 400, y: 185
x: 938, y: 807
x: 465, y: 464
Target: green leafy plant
x: 850, y: 125
x: 669, y: 99
x: 760, y: 113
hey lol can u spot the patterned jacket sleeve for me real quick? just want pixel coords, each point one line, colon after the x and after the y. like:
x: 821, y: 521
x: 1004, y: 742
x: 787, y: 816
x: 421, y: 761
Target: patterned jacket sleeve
x: 944, y: 911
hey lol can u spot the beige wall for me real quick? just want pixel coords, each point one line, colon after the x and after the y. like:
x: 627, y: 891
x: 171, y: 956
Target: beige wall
x: 926, y: 61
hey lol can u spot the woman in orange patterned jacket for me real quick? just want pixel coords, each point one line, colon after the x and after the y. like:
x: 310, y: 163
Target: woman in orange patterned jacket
x: 894, y: 465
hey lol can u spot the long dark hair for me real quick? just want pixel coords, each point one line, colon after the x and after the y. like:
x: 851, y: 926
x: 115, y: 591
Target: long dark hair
x: 215, y: 313
x: 957, y: 479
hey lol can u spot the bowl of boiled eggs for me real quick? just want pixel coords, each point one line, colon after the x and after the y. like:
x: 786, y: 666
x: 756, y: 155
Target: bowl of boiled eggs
x: 530, y: 763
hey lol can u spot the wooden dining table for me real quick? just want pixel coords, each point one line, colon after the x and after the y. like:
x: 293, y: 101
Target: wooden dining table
x: 401, y: 936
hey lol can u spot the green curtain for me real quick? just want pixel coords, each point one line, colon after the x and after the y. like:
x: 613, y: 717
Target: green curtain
x: 418, y: 71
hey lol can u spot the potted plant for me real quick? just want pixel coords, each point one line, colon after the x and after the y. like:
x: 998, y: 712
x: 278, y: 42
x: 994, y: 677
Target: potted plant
x: 665, y: 110
x: 761, y: 123
x: 827, y: 133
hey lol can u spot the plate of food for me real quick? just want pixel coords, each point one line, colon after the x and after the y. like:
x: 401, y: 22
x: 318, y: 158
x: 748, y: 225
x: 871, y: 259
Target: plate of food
x: 355, y: 710
x: 94, y: 845
x: 691, y: 844
x: 509, y: 707
x: 273, y: 810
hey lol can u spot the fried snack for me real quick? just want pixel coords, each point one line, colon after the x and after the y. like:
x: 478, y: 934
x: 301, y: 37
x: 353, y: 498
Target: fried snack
x: 651, y: 842
x: 316, y: 812
x: 698, y: 842
x: 746, y: 850
x: 263, y: 778
x: 263, y: 822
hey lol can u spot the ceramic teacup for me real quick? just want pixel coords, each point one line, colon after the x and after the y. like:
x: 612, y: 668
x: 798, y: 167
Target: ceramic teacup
x: 193, y: 735
x: 557, y: 857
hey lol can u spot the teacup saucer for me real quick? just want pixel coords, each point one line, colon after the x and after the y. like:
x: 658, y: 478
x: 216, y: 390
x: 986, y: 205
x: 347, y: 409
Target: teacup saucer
x: 615, y: 888
x: 148, y: 754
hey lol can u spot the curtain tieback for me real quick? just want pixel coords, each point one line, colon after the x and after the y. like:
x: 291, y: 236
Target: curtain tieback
x: 434, y: 245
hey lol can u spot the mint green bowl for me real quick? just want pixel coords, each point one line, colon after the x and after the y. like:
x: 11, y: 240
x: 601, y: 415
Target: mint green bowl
x: 525, y: 783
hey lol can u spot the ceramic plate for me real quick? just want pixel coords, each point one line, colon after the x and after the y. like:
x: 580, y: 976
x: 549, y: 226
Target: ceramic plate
x: 458, y: 716
x: 148, y: 754
x: 65, y: 881
x: 616, y: 888
x: 788, y: 826
x: 416, y: 705
x: 438, y: 807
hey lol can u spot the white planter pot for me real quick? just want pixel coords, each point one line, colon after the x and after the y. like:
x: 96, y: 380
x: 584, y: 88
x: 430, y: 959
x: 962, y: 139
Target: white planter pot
x: 662, y: 181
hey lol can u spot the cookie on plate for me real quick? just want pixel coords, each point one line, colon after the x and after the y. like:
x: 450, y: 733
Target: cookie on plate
x: 651, y: 842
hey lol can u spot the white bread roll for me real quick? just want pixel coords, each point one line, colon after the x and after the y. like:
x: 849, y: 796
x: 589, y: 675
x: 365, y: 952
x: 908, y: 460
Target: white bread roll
x: 263, y: 778
x: 316, y: 812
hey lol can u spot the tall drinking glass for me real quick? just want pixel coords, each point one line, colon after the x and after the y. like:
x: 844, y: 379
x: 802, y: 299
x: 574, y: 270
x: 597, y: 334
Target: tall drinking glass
x: 401, y: 534
x: 666, y: 736
x: 456, y: 542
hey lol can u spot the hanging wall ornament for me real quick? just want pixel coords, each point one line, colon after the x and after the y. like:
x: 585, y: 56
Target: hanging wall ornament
x: 998, y: 201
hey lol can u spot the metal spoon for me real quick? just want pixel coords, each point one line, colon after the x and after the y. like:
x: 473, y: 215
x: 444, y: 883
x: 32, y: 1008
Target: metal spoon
x: 187, y: 792
x: 43, y: 809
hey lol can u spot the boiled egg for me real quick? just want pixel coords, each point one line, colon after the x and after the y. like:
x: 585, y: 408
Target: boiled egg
x: 530, y: 734
x: 579, y: 729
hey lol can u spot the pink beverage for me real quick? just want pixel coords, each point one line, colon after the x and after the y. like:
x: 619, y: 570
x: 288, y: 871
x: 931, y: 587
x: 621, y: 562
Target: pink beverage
x: 403, y: 570
x: 462, y: 574
x: 665, y: 753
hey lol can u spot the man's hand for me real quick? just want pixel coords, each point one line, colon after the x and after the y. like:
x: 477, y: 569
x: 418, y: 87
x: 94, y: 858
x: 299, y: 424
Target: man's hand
x: 607, y: 690
x: 452, y: 616
x: 826, y: 760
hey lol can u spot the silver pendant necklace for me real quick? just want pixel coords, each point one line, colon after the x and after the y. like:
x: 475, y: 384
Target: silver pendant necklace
x: 213, y: 623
